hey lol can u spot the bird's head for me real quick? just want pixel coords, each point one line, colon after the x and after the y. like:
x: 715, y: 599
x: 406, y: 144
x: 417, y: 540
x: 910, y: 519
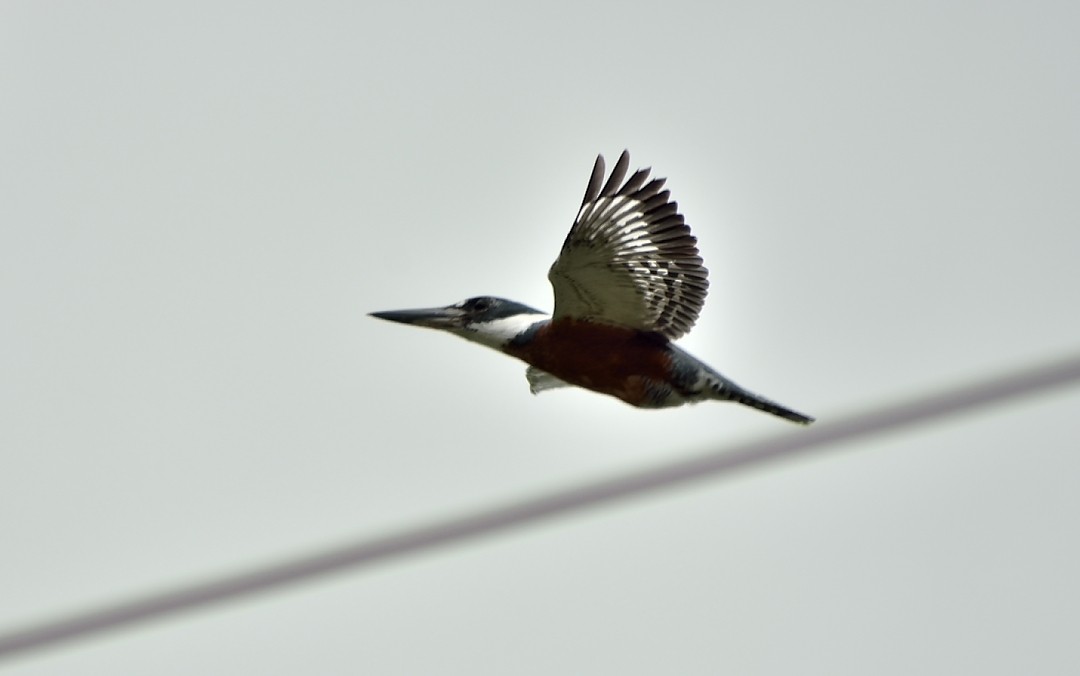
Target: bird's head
x: 486, y: 320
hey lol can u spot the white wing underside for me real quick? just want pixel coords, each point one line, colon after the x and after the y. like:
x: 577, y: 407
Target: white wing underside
x: 540, y: 381
x: 630, y: 259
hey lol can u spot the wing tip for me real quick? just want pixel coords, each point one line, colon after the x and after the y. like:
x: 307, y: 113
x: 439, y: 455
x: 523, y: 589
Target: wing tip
x: 618, y: 173
x: 592, y: 191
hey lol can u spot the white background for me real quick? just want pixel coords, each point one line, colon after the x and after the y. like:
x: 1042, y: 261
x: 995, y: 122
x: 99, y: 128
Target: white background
x: 200, y: 202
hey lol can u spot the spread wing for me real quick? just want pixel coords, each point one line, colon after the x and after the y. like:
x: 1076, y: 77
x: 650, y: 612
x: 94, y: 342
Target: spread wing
x: 630, y: 259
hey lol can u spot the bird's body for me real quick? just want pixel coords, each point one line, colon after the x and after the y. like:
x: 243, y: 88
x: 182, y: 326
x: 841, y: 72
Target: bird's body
x: 634, y: 366
x: 627, y: 282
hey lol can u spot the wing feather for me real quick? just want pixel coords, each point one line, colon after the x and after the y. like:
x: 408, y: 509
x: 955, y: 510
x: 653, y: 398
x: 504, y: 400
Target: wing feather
x: 630, y: 258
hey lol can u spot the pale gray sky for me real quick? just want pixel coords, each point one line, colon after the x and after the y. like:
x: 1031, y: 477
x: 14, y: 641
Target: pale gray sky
x: 200, y: 202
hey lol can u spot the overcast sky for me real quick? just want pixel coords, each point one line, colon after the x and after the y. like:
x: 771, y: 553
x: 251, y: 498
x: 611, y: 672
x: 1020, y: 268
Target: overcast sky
x: 200, y: 202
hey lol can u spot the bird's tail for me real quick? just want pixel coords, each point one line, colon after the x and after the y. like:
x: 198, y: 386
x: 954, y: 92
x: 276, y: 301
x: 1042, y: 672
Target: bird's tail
x: 732, y: 392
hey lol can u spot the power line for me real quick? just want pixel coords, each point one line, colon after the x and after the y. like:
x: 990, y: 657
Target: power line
x: 870, y: 422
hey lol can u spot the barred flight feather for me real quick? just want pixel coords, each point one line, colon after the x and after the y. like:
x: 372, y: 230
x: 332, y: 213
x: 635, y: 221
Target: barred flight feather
x: 630, y: 258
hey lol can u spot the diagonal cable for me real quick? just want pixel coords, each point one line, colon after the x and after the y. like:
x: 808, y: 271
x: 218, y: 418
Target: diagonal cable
x: 267, y: 578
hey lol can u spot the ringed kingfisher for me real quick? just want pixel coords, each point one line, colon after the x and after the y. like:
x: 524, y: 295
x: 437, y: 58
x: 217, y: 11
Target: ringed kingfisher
x: 628, y: 281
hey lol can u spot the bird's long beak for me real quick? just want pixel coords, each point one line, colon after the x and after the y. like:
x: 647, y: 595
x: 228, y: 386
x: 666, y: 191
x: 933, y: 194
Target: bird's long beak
x: 449, y: 317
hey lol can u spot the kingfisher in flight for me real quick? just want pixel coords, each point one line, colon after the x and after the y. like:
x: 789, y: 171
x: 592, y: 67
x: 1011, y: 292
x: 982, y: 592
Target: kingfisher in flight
x: 628, y: 281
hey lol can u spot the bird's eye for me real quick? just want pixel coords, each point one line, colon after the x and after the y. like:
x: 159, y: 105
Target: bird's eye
x: 481, y: 305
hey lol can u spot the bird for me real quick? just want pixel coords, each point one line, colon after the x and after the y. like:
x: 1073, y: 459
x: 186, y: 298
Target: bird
x: 628, y: 281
